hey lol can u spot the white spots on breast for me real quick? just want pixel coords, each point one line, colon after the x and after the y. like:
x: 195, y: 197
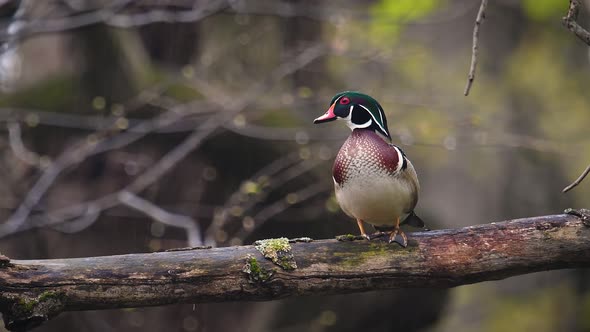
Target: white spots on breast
x: 365, y: 155
x: 366, y: 183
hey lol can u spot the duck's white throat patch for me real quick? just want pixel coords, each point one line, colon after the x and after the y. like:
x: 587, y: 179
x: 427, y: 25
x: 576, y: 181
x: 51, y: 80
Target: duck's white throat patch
x: 353, y: 125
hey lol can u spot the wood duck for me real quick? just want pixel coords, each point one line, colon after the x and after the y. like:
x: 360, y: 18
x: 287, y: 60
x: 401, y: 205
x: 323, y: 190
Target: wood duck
x: 374, y: 180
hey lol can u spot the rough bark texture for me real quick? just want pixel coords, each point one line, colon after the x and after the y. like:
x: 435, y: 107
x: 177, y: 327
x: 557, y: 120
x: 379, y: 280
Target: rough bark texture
x: 33, y: 291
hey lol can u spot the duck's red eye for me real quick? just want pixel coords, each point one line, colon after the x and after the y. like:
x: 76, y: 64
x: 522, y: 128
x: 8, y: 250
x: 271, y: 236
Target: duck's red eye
x: 344, y: 100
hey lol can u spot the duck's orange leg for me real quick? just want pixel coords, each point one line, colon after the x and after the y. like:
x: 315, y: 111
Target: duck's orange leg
x: 362, y: 228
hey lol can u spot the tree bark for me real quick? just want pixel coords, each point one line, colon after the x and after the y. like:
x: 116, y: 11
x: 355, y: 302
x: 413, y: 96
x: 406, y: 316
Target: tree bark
x: 32, y: 291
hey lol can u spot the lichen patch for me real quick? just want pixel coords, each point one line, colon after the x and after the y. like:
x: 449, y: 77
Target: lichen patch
x: 304, y: 239
x: 278, y: 251
x: 255, y: 272
x: 349, y: 237
x: 27, y: 312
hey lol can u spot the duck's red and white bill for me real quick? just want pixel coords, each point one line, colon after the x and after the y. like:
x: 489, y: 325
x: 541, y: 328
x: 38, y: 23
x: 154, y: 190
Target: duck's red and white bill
x: 328, y: 116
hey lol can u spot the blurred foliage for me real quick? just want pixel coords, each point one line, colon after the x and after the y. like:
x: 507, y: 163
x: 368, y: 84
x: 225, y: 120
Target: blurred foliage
x: 556, y: 96
x: 389, y: 16
x: 545, y: 10
x: 508, y: 307
x: 552, y: 86
x: 542, y: 310
x: 57, y: 93
x: 182, y: 92
x: 280, y: 118
x: 585, y: 310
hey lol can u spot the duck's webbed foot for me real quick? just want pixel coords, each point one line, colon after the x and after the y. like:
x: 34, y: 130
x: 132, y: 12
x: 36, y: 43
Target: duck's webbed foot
x: 398, y: 236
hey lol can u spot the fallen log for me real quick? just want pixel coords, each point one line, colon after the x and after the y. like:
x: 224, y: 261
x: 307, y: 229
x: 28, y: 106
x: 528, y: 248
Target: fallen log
x: 32, y: 291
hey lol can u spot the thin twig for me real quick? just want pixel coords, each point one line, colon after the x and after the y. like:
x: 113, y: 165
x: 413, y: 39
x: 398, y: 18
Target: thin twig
x: 84, y: 221
x: 578, y: 180
x: 18, y: 147
x: 570, y: 22
x: 475, y: 50
x: 280, y: 206
x: 277, y: 173
x: 191, y: 227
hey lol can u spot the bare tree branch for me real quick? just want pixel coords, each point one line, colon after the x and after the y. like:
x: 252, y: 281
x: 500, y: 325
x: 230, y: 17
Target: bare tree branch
x: 570, y: 22
x: 193, y: 116
x: 33, y: 291
x: 110, y: 15
x: 17, y: 220
x: 91, y: 145
x: 475, y: 50
x: 129, y: 14
x: 578, y: 180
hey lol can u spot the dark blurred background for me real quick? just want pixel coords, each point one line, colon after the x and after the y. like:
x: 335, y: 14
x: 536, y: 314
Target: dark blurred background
x: 137, y: 126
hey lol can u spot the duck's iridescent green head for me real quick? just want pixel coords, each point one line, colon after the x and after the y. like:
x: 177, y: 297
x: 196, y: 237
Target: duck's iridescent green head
x: 359, y: 110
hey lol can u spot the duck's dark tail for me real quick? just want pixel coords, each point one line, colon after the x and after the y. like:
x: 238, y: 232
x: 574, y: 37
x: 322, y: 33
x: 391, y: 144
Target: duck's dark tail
x: 412, y: 219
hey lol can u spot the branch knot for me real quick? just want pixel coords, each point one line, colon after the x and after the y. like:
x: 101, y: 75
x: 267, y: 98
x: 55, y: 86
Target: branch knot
x: 570, y: 22
x: 583, y: 214
x: 29, y: 312
x: 4, y: 261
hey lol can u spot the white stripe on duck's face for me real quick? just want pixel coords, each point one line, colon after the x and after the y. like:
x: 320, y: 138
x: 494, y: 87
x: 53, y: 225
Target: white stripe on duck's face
x: 374, y: 181
x: 360, y: 111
